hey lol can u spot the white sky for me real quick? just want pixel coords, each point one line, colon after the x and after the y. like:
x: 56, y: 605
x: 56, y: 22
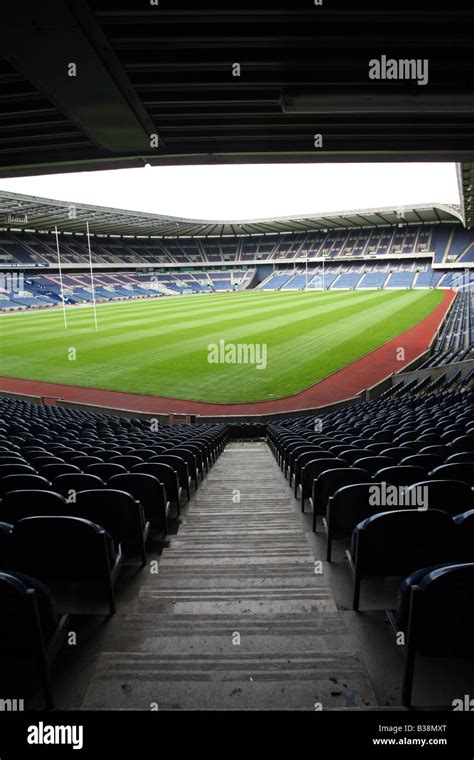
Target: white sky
x: 233, y: 192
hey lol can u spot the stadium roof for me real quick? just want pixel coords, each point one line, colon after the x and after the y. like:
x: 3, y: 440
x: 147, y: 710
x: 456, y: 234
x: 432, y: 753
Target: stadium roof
x: 18, y: 211
x: 90, y: 84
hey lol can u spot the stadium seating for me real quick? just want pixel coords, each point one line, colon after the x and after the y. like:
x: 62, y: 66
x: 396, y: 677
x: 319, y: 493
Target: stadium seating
x: 399, y: 542
x: 435, y: 612
x: 404, y: 440
x: 452, y: 240
x: 329, y: 482
x: 149, y: 492
x: 69, y: 541
x: 31, y: 630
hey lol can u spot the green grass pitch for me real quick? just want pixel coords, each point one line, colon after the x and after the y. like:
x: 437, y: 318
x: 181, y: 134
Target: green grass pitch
x: 160, y: 346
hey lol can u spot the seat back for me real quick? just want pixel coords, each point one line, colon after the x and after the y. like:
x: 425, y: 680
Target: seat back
x: 350, y: 505
x: 427, y: 461
x: 165, y: 474
x: 399, y: 542
x: 444, y: 616
x: 460, y: 457
x: 17, y: 505
x: 71, y: 483
x: 61, y: 549
x: 126, y: 460
x: 105, y: 471
x: 314, y: 468
x: 28, y: 613
x: 458, y: 471
x: 401, y: 475
x: 23, y: 482
x: 116, y: 511
x: 374, y: 463
x: 330, y: 481
x: 52, y: 471
x: 177, y: 463
x: 451, y: 496
x: 146, y: 489
x: 16, y: 469
x: 397, y: 453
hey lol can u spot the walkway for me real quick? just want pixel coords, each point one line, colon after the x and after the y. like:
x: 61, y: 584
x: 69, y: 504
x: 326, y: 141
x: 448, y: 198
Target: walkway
x: 237, y: 617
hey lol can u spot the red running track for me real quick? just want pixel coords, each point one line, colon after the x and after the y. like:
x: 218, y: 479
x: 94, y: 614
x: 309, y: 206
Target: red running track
x: 346, y: 383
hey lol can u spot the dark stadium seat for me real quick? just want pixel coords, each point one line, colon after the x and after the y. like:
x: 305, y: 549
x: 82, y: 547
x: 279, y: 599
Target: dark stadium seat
x: 427, y: 461
x: 460, y: 457
x: 24, y: 482
x: 105, y: 470
x: 465, y: 522
x: 352, y: 456
x: 179, y: 465
x: 17, y: 505
x: 5, y: 530
x: 397, y: 453
x: 330, y: 481
x: 78, y: 553
x: 345, y: 509
x: 126, y: 460
x: 401, y: 475
x: 382, y: 436
x: 200, y: 455
x: 38, y: 462
x: 298, y: 455
x: 116, y: 511
x: 436, y: 614
x: 16, y: 469
x: 462, y: 443
x: 378, y: 449
x: 336, y: 449
x: 312, y: 470
x: 31, y: 630
x: 373, y: 463
x: 399, y: 542
x: 438, y: 450
x: 84, y: 461
x: 166, y: 475
x: 73, y: 482
x: 451, y: 496
x: 301, y: 460
x: 107, y: 455
x: 458, y: 471
x: 12, y: 459
x: 191, y: 460
x: 52, y: 471
x: 144, y: 454
x: 149, y: 492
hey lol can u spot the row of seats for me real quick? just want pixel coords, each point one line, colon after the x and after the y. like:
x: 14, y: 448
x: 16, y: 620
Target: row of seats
x: 79, y: 492
x: 422, y: 448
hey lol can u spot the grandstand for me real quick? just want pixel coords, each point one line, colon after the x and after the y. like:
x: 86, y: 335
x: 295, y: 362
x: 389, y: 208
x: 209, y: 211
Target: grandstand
x: 134, y: 261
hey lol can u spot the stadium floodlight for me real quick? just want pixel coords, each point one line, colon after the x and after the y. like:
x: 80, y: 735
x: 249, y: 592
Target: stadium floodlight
x: 296, y: 101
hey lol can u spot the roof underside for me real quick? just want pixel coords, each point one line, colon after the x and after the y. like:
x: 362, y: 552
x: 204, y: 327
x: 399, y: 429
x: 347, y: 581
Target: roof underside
x: 91, y: 84
x: 167, y: 70
x: 27, y: 212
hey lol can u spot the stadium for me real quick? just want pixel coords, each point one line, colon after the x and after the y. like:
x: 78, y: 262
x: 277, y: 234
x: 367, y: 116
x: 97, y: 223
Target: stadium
x: 236, y: 456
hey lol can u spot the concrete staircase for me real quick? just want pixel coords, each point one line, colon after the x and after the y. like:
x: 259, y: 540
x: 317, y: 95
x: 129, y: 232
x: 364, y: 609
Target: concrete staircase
x: 239, y: 616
